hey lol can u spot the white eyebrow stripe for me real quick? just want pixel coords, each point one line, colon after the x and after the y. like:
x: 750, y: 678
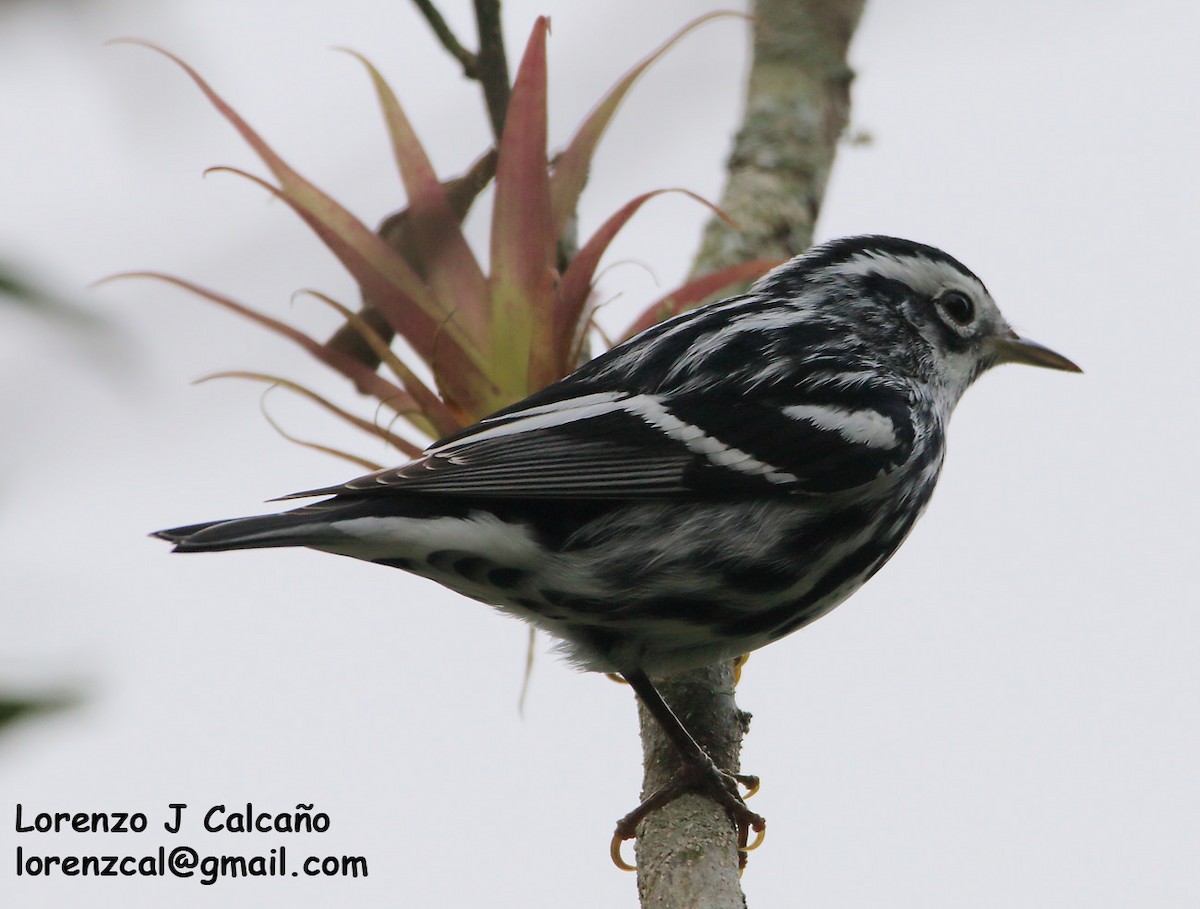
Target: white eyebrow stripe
x: 866, y: 427
x: 924, y: 275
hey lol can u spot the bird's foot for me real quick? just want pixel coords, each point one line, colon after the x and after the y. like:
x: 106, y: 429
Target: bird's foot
x: 708, y: 779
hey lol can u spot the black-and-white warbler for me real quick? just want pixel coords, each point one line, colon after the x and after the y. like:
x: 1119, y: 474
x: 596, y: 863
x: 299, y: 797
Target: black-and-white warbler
x: 702, y: 490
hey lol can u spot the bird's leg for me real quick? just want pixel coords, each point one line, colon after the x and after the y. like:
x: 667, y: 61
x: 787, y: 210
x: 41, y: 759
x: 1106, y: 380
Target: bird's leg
x: 698, y: 773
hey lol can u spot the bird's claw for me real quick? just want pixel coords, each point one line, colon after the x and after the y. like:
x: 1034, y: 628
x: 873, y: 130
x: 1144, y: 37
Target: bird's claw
x: 718, y: 784
x: 614, y: 850
x: 750, y: 781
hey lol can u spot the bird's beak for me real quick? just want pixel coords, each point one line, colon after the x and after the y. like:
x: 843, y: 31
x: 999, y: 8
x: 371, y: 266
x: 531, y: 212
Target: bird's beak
x: 1012, y: 348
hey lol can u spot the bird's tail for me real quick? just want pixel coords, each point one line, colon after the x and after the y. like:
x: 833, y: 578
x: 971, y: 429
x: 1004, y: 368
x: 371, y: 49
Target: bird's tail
x: 308, y: 526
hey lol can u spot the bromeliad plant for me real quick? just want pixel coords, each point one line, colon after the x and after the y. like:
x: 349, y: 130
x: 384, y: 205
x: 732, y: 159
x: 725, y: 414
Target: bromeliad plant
x: 487, y: 339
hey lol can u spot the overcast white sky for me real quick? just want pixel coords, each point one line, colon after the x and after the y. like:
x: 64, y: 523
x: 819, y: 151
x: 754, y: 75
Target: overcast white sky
x: 1005, y: 716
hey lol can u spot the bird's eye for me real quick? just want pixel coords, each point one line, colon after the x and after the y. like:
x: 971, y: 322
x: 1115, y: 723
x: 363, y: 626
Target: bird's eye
x: 957, y: 307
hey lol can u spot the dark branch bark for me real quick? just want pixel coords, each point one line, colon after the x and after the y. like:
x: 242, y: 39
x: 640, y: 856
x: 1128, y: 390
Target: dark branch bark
x: 488, y: 67
x: 493, y: 64
x: 470, y: 63
x: 797, y: 107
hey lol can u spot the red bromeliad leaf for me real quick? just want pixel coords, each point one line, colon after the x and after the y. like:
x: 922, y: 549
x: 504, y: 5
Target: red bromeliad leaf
x: 400, y: 443
x: 459, y: 380
x: 571, y: 168
x: 440, y: 420
x: 696, y: 291
x: 397, y: 230
x: 367, y: 381
x: 387, y: 281
x: 488, y: 340
x: 523, y: 241
x: 576, y: 282
x: 451, y: 269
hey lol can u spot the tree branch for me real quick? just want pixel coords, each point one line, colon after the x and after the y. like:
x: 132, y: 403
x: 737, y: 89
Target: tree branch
x: 797, y: 106
x: 488, y: 67
x: 470, y: 63
x: 492, y: 63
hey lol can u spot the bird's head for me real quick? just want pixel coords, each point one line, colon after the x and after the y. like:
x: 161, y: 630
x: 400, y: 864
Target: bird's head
x: 917, y: 308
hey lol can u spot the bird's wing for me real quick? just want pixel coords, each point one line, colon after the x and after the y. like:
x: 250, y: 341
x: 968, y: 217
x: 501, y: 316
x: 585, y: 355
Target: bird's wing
x: 606, y: 445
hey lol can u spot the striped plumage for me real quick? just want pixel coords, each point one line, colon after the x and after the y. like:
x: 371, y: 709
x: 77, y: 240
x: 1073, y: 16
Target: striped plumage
x: 707, y: 487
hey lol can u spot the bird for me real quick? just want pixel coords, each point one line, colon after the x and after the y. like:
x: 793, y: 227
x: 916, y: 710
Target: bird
x: 697, y: 492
